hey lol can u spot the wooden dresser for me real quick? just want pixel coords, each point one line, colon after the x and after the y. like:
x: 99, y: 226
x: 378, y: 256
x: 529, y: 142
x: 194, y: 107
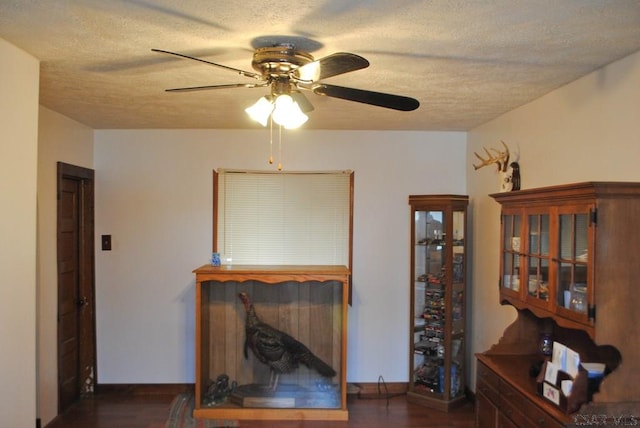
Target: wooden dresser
x: 506, y: 395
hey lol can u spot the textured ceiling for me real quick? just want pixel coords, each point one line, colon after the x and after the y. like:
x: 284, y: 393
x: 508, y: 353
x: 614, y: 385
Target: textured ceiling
x: 466, y: 61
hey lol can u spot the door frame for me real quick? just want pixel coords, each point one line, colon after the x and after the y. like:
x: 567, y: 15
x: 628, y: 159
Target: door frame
x: 88, y: 374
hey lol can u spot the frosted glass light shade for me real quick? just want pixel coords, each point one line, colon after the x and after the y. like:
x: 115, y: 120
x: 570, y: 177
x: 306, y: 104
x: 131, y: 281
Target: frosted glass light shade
x: 260, y: 111
x: 287, y: 113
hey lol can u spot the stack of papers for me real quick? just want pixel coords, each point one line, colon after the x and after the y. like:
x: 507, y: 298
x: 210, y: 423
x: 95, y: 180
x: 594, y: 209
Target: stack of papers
x: 563, y: 359
x: 566, y: 381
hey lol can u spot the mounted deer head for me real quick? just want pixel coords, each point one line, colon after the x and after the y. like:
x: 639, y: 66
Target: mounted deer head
x: 501, y: 159
x: 509, y: 172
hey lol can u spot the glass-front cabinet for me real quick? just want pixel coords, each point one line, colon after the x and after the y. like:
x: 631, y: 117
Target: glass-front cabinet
x: 438, y: 295
x: 547, y: 257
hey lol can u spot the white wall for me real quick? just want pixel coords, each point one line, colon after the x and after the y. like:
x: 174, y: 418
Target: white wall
x: 59, y: 139
x: 19, y: 78
x: 588, y: 130
x: 154, y: 195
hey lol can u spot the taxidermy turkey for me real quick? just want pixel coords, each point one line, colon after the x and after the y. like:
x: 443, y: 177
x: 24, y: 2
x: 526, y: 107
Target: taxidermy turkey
x: 281, y: 352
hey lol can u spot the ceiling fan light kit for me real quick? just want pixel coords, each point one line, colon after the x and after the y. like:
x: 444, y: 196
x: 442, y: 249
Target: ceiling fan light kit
x: 283, y: 110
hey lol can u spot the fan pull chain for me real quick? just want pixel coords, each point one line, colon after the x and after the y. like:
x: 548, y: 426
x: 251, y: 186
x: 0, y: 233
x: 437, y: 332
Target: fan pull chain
x: 280, y: 149
x: 270, y: 140
x: 271, y: 144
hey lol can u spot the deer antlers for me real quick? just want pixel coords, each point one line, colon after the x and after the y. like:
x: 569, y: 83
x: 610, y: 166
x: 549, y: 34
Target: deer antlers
x: 500, y: 158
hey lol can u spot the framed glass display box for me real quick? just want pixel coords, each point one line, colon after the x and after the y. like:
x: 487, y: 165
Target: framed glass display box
x: 438, y: 295
x: 271, y: 342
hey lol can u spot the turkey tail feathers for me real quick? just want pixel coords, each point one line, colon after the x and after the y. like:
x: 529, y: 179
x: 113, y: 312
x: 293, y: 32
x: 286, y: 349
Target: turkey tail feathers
x: 317, y: 364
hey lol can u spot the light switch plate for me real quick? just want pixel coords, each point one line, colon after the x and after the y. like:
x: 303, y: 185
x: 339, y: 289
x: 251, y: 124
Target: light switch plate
x: 106, y: 242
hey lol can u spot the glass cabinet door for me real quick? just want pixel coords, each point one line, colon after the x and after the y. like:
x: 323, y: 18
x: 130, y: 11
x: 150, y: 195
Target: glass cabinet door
x: 429, y: 299
x: 572, y: 276
x: 537, y: 275
x: 511, y: 245
x: 457, y: 347
x: 439, y: 302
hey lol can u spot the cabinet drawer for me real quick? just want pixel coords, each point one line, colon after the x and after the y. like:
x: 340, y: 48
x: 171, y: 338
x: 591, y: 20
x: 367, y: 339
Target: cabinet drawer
x: 505, y: 422
x: 488, y: 391
x: 524, y: 418
x: 509, y: 396
x: 540, y: 418
x: 488, y: 376
x: 514, y: 414
x: 522, y: 411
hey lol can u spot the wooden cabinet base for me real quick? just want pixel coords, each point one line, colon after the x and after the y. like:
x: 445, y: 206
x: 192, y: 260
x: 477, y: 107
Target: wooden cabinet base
x: 435, y: 403
x: 507, y: 394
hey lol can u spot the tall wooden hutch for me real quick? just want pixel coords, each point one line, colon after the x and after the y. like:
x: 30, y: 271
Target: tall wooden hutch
x: 569, y: 264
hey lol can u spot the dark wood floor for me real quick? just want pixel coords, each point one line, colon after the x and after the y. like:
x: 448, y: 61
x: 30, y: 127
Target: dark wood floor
x: 123, y: 410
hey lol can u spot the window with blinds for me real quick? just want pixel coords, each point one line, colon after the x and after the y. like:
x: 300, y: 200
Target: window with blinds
x: 278, y: 218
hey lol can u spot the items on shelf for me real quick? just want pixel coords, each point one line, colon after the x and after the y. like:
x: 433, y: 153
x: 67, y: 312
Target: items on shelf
x: 565, y: 381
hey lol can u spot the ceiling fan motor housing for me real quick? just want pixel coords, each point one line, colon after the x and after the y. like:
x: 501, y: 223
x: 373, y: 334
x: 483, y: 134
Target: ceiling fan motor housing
x: 279, y: 61
x: 276, y: 63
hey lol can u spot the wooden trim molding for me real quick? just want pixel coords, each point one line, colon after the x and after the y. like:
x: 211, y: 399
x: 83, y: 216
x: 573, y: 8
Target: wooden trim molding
x: 144, y: 388
x: 368, y: 389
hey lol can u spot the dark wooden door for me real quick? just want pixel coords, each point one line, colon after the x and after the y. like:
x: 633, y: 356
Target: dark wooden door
x: 76, y: 330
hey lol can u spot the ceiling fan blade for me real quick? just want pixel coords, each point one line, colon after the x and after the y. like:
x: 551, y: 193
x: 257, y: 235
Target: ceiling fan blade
x: 396, y: 102
x: 329, y: 66
x: 226, y: 67
x: 207, y: 87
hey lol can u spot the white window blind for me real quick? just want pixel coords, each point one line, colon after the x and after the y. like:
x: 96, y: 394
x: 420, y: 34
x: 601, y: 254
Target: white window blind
x: 281, y: 218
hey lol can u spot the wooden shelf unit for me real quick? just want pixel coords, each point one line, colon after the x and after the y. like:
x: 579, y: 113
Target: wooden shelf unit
x: 321, y: 315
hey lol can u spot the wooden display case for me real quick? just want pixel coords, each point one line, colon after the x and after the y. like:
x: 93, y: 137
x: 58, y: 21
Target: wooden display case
x: 569, y: 266
x: 309, y: 303
x: 438, y: 296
